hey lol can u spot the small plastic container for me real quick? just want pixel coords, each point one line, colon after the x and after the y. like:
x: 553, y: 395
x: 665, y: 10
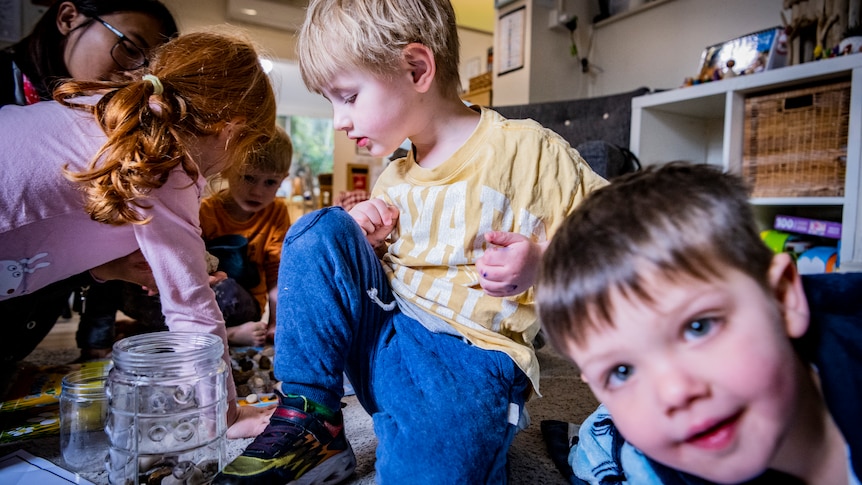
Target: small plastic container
x: 83, y: 410
x: 167, y: 398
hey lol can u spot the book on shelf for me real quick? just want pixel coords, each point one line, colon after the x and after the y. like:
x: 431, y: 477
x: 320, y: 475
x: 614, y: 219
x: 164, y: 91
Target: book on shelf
x: 811, y: 227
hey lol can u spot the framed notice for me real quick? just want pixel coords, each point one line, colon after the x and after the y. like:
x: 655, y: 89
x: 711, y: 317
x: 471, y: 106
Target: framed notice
x: 512, y: 27
x: 357, y: 177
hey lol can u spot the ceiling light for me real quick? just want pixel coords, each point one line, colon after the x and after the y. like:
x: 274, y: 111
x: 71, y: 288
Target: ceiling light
x: 266, y: 64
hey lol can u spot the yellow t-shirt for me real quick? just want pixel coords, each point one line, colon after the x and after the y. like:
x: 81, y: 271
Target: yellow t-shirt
x: 265, y: 232
x: 511, y: 175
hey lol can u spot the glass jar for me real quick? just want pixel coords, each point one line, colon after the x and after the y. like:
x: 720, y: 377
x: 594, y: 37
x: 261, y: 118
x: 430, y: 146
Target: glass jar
x: 83, y: 410
x: 167, y: 403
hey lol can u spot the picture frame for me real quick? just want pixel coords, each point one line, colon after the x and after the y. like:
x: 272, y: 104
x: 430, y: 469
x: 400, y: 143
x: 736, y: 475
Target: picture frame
x: 357, y: 177
x: 512, y: 30
x: 751, y: 53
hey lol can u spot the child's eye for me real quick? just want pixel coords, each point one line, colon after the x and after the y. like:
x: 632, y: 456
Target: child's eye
x: 248, y: 179
x: 271, y: 183
x: 619, y: 374
x: 699, y: 328
x: 350, y: 99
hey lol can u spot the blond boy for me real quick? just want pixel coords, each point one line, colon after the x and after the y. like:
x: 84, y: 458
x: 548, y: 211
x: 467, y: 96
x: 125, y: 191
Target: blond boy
x: 435, y: 334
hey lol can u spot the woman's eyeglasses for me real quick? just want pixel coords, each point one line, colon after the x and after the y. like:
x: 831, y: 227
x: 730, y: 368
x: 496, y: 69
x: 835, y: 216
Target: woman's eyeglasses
x: 125, y: 53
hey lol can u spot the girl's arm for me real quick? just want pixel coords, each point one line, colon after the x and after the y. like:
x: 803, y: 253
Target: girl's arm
x: 172, y: 244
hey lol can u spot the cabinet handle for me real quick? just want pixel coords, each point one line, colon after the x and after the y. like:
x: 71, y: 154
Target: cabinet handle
x: 796, y: 102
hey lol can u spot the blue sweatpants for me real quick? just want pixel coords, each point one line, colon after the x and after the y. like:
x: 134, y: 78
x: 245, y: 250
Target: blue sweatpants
x: 443, y: 409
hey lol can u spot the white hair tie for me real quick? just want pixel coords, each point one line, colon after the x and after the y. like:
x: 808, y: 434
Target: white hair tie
x: 157, y: 85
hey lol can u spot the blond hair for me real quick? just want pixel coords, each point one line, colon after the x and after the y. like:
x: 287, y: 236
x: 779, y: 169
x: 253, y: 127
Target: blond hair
x: 208, y: 79
x: 371, y: 35
x: 275, y: 157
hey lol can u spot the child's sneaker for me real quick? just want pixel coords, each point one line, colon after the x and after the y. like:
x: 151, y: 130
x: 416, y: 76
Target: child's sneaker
x: 304, y: 443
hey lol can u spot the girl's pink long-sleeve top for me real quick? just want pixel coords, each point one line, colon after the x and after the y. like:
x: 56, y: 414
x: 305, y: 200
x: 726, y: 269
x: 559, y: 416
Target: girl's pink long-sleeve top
x: 46, y: 236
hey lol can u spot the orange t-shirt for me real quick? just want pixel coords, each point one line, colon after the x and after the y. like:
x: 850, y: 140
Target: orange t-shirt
x: 265, y: 232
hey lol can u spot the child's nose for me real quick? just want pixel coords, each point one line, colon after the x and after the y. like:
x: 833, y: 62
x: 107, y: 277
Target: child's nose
x: 677, y: 387
x: 340, y: 120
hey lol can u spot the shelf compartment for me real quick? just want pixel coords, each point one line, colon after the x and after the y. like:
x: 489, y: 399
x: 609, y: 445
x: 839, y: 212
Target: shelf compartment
x: 795, y: 141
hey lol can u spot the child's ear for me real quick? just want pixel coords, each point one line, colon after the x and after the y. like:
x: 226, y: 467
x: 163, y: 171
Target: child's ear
x: 419, y: 60
x: 786, y: 284
x: 68, y: 18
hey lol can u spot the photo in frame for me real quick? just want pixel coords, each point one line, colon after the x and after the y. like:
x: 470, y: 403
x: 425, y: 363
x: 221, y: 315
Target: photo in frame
x: 357, y: 177
x: 755, y: 52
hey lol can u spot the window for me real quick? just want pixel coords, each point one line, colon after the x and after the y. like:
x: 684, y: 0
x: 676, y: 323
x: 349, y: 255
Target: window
x: 313, y: 143
x: 313, y: 147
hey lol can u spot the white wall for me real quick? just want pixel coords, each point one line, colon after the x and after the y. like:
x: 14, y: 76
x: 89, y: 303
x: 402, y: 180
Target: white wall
x: 474, y: 54
x: 193, y: 15
x: 292, y: 97
x: 660, y: 47
x: 657, y: 47
x: 514, y: 86
x: 555, y: 74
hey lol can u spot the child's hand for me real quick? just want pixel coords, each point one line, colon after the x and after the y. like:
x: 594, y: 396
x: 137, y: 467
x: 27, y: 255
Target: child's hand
x: 251, y: 334
x: 376, y: 218
x: 509, y: 265
x: 247, y: 421
x: 217, y: 277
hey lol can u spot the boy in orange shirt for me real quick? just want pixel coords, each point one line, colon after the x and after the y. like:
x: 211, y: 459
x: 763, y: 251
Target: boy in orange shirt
x: 248, y: 208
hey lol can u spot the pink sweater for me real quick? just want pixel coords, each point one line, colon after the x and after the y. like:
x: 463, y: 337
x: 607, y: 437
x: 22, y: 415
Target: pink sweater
x: 45, y: 235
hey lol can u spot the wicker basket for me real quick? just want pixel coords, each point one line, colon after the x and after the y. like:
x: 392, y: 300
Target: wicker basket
x: 796, y: 141
x: 481, y: 81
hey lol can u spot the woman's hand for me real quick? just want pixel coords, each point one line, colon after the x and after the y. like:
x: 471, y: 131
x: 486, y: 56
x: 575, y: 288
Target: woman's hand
x: 132, y: 268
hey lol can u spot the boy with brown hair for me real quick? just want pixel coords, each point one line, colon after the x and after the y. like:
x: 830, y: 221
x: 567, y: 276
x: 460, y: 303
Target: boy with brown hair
x: 435, y: 335
x: 713, y: 359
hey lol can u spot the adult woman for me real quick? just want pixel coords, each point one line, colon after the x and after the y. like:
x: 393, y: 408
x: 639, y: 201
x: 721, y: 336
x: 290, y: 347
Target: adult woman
x: 85, y: 40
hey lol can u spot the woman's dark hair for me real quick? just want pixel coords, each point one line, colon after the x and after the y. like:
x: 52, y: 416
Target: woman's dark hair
x: 40, y: 54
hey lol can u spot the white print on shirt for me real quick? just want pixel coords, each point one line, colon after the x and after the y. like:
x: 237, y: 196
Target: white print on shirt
x: 12, y: 273
x: 441, y: 211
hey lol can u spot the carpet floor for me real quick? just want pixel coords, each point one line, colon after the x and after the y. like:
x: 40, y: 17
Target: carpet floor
x: 565, y: 398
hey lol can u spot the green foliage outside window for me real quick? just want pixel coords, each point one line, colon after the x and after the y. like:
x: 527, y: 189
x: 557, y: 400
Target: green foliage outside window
x: 313, y: 144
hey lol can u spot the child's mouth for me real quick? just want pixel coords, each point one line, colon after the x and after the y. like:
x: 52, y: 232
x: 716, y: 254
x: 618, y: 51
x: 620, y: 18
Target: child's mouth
x: 716, y: 436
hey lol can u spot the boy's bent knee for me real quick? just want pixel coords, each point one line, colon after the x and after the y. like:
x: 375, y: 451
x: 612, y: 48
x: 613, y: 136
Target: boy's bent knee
x: 327, y: 224
x: 323, y: 220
